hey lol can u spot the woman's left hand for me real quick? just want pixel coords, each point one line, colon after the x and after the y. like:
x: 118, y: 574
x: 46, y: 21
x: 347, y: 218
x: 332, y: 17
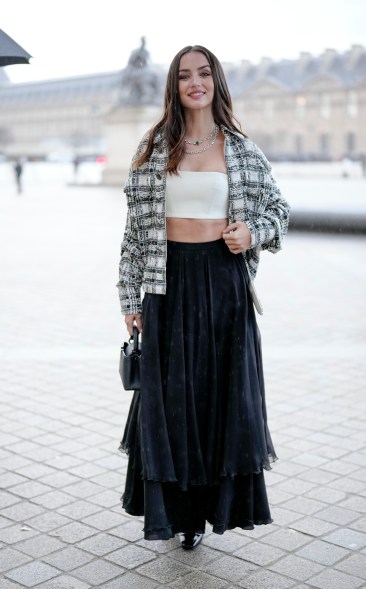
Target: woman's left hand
x: 237, y: 237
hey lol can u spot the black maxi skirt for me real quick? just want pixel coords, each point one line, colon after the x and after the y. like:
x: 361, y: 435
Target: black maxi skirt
x: 196, y: 434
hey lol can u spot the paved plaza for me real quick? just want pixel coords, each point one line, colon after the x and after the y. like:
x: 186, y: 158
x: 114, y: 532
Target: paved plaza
x: 63, y: 411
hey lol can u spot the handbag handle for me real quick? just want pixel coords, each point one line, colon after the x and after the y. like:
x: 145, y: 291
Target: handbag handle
x: 135, y: 338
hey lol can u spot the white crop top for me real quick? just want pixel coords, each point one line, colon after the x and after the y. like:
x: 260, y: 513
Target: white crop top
x: 197, y: 195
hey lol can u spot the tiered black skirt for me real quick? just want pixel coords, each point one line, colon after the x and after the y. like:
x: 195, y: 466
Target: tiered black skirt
x: 196, y: 434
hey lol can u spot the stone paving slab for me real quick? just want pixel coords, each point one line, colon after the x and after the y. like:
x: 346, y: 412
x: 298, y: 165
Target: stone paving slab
x: 62, y: 411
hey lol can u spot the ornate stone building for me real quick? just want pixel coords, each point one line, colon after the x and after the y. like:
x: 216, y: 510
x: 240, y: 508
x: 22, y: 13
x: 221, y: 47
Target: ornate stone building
x: 56, y: 117
x: 310, y: 108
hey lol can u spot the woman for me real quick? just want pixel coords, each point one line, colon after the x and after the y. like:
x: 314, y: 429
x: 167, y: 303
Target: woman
x: 201, y: 205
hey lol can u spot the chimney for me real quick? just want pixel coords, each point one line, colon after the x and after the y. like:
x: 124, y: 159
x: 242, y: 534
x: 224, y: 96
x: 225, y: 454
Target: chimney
x: 264, y: 65
x: 327, y: 58
x: 244, y: 67
x: 354, y: 55
x: 303, y: 61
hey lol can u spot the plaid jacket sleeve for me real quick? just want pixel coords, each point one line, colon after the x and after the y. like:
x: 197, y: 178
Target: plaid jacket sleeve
x: 269, y: 225
x: 131, y: 264
x: 130, y: 270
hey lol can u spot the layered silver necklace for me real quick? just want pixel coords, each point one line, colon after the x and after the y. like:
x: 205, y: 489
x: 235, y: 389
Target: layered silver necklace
x: 210, y: 138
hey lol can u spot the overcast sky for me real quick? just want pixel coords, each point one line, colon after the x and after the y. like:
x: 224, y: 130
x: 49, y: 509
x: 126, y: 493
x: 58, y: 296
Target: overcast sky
x: 74, y: 37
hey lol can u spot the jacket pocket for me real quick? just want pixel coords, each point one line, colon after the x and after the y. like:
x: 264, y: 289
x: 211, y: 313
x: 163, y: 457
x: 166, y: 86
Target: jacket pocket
x: 256, y: 201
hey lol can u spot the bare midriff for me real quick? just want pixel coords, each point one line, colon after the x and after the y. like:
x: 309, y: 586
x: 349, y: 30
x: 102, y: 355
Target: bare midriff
x: 194, y: 230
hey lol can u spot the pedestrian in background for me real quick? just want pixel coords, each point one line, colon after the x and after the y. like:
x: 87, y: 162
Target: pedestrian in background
x: 18, y: 171
x: 76, y: 165
x: 363, y: 164
x: 202, y: 204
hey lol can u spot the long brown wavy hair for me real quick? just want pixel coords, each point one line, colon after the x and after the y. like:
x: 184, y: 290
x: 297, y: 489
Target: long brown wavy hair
x: 172, y: 123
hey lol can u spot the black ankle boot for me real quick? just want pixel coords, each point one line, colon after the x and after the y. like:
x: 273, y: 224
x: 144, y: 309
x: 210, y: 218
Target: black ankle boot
x: 189, y: 540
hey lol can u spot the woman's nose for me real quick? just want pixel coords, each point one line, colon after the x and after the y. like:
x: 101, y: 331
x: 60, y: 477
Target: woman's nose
x: 196, y: 80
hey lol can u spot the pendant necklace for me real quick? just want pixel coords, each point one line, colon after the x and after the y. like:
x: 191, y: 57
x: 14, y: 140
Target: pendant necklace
x: 211, y: 138
x: 199, y: 141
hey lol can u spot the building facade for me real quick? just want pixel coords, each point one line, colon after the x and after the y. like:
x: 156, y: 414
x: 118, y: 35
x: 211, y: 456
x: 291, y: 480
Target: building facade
x: 56, y: 118
x: 312, y: 108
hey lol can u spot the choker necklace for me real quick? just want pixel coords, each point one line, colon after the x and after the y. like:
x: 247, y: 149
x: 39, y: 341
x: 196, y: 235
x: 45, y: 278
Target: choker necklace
x: 211, y: 137
x: 199, y: 141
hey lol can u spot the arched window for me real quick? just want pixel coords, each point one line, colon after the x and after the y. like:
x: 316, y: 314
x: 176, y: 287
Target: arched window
x: 350, y: 143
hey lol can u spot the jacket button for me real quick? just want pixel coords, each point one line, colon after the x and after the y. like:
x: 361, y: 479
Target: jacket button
x: 158, y: 176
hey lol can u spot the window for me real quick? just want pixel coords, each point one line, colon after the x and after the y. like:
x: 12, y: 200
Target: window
x: 268, y: 108
x: 299, y: 145
x: 267, y: 143
x: 352, y: 104
x: 324, y: 144
x: 325, y: 106
x: 350, y: 143
x: 300, y: 105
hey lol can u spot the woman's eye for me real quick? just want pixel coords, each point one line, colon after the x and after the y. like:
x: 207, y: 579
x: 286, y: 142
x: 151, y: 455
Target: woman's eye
x: 205, y: 74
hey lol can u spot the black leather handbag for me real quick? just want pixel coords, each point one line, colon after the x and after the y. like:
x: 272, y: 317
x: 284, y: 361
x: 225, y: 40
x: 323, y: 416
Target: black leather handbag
x: 129, y: 364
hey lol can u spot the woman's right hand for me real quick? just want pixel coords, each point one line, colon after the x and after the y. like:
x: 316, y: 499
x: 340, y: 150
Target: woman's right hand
x: 131, y: 319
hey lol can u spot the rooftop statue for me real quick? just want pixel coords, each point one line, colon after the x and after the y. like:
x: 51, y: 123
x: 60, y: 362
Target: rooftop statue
x: 139, y: 57
x: 140, y: 81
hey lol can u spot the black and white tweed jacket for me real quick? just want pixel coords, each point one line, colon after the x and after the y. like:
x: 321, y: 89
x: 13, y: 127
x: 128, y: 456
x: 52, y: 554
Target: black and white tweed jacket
x: 253, y: 198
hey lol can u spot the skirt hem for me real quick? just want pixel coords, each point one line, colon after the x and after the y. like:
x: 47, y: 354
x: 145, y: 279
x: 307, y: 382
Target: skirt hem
x: 125, y: 449
x: 169, y: 533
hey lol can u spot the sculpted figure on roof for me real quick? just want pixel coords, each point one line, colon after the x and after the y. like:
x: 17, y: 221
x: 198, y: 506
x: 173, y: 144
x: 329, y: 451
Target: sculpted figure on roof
x: 140, y: 82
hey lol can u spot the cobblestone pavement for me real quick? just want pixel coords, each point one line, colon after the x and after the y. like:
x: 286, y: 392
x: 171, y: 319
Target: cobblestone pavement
x: 63, y: 410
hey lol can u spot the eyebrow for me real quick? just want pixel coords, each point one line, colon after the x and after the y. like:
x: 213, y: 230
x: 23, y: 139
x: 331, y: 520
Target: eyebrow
x: 200, y: 68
